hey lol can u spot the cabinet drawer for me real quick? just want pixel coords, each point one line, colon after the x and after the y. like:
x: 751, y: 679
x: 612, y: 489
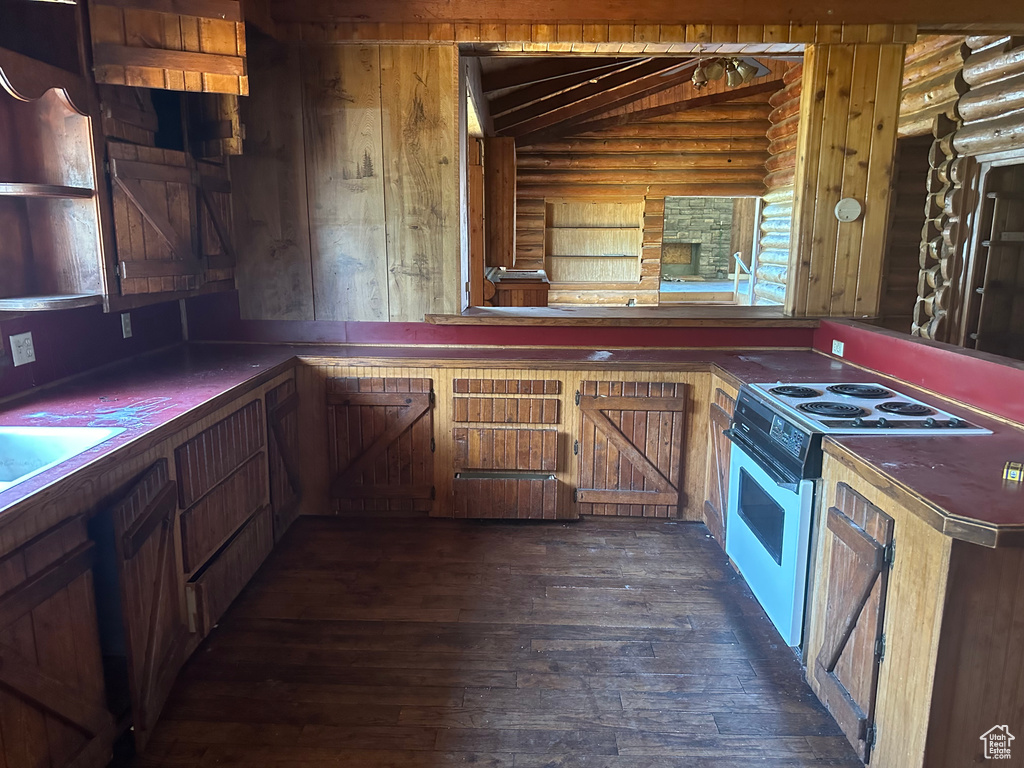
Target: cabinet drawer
x: 215, y: 453
x: 506, y: 410
x: 508, y: 386
x: 207, y: 524
x: 487, y: 448
x: 494, y: 494
x: 211, y: 591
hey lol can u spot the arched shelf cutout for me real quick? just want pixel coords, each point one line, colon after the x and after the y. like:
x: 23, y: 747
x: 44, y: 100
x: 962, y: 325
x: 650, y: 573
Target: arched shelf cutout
x: 28, y: 79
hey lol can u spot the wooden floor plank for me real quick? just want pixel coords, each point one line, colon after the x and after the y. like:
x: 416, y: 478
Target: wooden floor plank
x: 417, y: 643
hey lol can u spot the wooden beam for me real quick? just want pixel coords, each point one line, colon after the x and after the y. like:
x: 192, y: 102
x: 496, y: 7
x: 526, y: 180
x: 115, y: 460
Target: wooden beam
x: 230, y: 10
x: 798, y: 13
x: 545, y: 69
x: 631, y: 118
x: 521, y: 97
x: 584, y: 89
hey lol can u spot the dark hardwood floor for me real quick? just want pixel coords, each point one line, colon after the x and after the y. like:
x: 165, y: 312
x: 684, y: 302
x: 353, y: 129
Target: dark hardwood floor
x: 408, y: 643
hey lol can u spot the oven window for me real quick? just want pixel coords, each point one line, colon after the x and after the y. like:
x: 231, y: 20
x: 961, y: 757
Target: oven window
x: 762, y: 515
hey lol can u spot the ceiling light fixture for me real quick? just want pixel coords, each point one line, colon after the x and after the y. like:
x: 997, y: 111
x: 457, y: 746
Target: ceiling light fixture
x: 736, y: 70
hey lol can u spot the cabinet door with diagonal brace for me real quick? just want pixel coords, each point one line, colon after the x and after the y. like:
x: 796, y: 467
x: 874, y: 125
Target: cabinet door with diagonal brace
x: 858, y: 545
x: 381, y: 438
x: 283, y: 455
x: 154, y: 620
x: 631, y: 448
x: 52, y: 696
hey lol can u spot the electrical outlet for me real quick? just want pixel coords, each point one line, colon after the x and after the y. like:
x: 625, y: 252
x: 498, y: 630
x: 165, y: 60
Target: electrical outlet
x: 22, y: 351
x: 126, y: 325
x: 837, y: 348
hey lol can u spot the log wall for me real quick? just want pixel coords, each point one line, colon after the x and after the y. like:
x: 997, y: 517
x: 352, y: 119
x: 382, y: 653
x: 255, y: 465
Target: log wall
x: 992, y: 110
x: 777, y: 215
x: 931, y: 82
x: 717, y: 150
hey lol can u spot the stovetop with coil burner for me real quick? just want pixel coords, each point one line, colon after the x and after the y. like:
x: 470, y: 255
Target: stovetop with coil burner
x: 862, y: 409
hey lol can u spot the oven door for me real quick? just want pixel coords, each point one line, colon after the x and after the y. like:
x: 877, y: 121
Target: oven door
x: 768, y: 537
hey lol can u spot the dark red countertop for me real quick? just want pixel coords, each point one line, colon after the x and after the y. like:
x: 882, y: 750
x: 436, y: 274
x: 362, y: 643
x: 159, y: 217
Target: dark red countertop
x: 958, y: 479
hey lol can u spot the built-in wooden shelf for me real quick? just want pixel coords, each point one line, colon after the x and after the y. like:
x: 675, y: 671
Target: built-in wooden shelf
x: 16, y: 189
x: 43, y: 303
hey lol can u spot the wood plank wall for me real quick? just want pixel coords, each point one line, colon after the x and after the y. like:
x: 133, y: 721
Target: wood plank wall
x: 774, y: 244
x: 351, y: 206
x: 275, y: 269
x: 849, y: 112
x: 500, y: 200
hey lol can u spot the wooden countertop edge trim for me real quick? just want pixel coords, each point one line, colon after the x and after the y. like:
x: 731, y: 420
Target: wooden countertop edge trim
x: 954, y: 526
x: 518, y: 362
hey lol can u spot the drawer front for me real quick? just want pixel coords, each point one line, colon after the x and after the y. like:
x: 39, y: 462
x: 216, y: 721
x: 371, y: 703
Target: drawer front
x: 488, y: 448
x: 212, y: 455
x: 211, y: 591
x: 506, y: 410
x: 521, y: 497
x: 206, y: 525
x: 507, y: 386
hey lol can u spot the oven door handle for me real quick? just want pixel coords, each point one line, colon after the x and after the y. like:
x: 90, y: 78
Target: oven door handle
x: 780, y: 478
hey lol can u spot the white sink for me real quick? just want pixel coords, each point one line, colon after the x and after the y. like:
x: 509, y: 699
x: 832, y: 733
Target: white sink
x: 27, y: 451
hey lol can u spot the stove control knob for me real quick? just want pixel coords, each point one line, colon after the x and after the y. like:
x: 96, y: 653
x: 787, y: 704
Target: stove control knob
x: 955, y: 422
x: 858, y: 422
x: 930, y: 422
x: 882, y: 422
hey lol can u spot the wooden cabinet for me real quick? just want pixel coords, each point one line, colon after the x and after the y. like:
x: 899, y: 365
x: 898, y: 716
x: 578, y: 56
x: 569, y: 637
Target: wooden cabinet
x: 723, y: 403
x: 930, y: 618
x: 381, y: 442
x: 155, y: 632
x: 52, y: 695
x: 630, y: 448
x: 512, y: 441
x: 283, y: 455
x: 187, y: 45
x: 858, y: 538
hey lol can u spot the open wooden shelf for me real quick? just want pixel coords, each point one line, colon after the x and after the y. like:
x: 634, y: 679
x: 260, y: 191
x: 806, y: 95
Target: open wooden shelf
x: 16, y: 189
x: 44, y: 303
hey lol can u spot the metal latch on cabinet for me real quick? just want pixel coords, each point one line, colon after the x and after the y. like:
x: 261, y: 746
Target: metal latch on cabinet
x: 880, y: 648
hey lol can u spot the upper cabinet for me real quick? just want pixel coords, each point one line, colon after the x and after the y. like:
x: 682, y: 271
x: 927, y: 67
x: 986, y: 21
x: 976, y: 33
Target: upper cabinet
x: 181, y: 45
